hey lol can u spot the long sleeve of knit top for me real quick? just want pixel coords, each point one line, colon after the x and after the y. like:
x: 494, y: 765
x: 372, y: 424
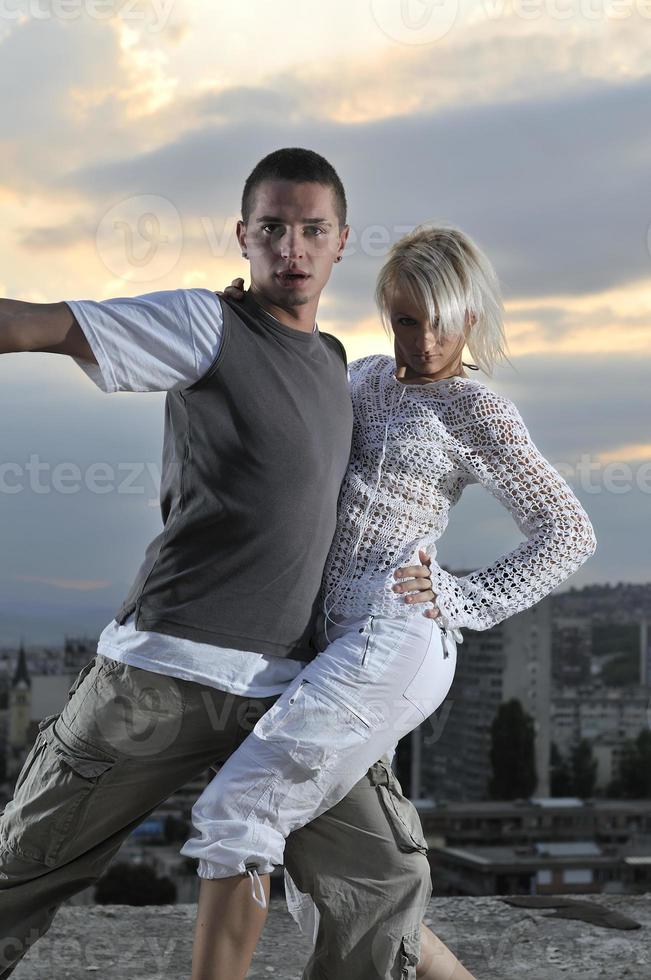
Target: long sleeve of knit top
x: 415, y: 448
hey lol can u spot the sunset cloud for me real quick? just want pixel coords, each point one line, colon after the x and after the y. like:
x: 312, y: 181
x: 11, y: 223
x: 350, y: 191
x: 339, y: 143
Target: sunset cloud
x: 630, y: 452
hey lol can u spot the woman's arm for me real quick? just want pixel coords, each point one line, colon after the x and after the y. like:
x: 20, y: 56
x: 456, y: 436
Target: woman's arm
x: 493, y: 446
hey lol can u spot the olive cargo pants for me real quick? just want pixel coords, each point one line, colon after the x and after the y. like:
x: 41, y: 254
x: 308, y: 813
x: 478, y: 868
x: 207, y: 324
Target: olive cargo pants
x: 125, y: 741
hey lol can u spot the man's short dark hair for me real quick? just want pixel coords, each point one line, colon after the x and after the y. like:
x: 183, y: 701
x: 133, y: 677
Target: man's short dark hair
x: 299, y: 165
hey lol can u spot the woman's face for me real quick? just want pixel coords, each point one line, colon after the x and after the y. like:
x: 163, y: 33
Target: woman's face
x: 420, y: 351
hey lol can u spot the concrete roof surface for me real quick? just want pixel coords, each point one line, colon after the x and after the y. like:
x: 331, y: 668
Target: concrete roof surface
x: 494, y: 940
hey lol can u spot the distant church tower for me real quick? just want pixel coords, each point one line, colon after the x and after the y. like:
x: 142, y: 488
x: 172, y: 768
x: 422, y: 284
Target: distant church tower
x: 20, y: 703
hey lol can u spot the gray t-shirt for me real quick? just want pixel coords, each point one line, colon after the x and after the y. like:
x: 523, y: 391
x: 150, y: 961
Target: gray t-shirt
x: 156, y: 342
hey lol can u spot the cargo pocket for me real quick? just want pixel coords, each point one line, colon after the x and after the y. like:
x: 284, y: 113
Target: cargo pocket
x: 85, y: 683
x: 39, y: 825
x: 401, y: 813
x: 313, y: 725
x: 367, y: 632
x: 382, y: 639
x: 409, y: 955
x: 83, y: 673
x: 418, y: 691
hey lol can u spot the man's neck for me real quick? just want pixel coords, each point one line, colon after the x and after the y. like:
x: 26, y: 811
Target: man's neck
x: 298, y: 317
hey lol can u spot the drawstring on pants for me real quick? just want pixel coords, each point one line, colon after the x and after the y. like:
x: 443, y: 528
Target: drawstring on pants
x: 253, y: 873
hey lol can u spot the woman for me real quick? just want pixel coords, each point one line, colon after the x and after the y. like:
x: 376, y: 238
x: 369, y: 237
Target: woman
x: 423, y: 431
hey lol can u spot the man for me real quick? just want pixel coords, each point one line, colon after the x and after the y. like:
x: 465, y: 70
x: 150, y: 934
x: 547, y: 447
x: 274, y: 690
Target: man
x: 258, y: 427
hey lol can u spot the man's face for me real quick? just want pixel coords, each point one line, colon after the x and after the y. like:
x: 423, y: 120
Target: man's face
x: 292, y: 238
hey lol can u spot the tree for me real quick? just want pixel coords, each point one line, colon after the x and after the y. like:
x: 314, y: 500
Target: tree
x: 512, y: 753
x: 560, y: 773
x: 176, y: 829
x: 134, y: 884
x: 584, y: 770
x: 634, y: 780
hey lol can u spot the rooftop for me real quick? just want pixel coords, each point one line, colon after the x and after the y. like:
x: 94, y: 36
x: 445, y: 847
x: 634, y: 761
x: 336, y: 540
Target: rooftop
x: 494, y: 940
x: 484, y: 808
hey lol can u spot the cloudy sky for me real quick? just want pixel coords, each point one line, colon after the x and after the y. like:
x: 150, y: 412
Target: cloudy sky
x: 526, y: 124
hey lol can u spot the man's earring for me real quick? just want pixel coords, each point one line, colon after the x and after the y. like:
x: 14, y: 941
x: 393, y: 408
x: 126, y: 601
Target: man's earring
x: 338, y: 259
x: 245, y: 255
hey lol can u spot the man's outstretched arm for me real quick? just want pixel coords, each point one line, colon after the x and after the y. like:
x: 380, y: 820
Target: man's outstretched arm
x: 45, y: 327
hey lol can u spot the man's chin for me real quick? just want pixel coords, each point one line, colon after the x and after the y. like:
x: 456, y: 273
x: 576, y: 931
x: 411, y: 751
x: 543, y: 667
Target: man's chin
x: 297, y: 299
x: 288, y: 298
x: 283, y: 297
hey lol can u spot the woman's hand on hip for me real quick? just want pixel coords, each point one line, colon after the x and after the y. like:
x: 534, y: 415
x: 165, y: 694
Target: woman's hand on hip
x: 416, y: 580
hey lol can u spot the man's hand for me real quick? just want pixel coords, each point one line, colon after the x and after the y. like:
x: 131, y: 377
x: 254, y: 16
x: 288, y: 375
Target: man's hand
x: 235, y: 290
x: 419, y: 581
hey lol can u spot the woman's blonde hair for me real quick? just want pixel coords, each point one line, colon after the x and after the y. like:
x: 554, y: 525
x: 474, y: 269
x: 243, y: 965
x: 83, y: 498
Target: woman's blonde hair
x: 444, y: 273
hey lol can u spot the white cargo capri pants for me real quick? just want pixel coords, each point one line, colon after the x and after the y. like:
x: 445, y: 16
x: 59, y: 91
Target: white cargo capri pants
x: 377, y: 680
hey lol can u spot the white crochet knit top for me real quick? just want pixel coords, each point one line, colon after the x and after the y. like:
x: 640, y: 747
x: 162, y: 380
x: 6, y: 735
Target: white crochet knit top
x: 415, y: 447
